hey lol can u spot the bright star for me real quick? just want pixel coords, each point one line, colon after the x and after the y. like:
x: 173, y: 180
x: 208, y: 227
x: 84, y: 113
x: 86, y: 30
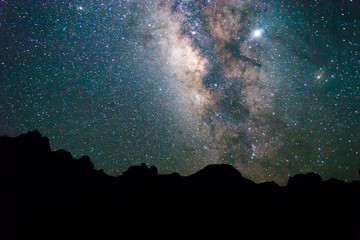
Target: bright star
x: 257, y: 33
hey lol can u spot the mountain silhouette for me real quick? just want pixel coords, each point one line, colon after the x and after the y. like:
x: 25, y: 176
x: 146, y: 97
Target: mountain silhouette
x: 48, y: 194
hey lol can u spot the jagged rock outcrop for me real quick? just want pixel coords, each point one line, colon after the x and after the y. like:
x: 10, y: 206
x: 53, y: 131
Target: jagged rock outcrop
x: 304, y: 181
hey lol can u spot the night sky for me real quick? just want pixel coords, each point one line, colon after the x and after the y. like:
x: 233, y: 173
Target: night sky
x: 270, y: 87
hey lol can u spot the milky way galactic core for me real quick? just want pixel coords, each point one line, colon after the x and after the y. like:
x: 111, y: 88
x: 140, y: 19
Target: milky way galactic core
x: 270, y: 87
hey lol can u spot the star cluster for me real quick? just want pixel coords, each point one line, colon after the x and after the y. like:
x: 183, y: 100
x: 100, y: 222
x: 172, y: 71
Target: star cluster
x: 271, y: 87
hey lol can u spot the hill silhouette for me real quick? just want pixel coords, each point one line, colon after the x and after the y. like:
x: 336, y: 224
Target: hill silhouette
x: 48, y: 194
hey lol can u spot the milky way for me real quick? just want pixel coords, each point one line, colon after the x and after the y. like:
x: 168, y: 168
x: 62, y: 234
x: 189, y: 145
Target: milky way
x: 269, y: 87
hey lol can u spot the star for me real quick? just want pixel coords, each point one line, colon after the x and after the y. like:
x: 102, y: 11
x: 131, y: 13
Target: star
x: 257, y: 33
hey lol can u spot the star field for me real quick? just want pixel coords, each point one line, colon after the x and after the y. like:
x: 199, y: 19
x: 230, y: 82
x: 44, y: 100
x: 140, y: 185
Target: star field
x: 270, y: 87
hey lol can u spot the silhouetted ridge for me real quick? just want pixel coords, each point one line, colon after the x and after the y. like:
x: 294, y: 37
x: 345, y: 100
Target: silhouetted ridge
x: 219, y: 175
x: 302, y: 181
x: 29, y: 143
x: 218, y: 170
x: 141, y: 171
x: 48, y: 194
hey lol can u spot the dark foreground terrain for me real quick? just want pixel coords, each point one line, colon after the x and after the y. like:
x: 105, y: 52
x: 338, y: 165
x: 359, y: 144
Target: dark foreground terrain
x: 50, y: 195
